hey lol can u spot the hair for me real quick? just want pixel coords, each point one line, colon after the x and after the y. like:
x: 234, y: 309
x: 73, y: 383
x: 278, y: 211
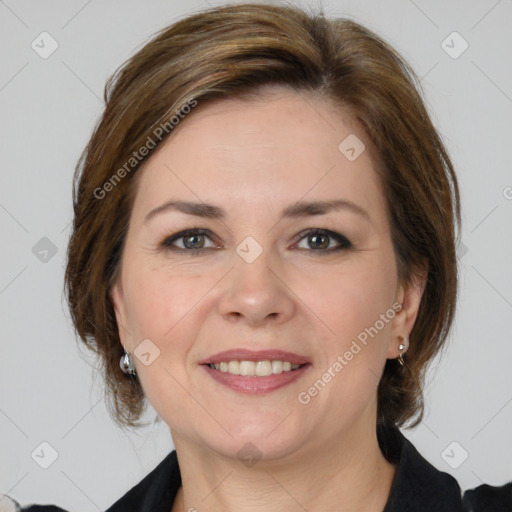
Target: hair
x: 234, y: 51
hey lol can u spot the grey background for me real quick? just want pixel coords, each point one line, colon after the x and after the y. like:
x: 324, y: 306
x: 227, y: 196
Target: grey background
x: 49, y: 391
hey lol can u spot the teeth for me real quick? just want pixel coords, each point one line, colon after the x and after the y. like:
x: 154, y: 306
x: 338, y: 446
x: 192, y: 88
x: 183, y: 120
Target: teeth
x: 277, y: 366
x: 254, y: 368
x: 233, y: 367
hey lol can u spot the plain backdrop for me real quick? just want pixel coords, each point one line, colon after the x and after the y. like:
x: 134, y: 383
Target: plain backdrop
x: 49, y: 390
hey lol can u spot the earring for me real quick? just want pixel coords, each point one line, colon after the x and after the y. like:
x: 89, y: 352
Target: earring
x: 126, y: 364
x: 402, y: 346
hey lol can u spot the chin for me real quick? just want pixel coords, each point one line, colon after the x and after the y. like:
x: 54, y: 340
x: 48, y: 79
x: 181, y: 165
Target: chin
x: 250, y: 451
x: 263, y: 440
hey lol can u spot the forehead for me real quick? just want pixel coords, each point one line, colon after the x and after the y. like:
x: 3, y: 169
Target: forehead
x: 270, y: 150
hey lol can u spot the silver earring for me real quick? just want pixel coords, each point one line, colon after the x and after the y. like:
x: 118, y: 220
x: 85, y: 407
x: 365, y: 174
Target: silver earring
x: 126, y: 364
x: 402, y: 346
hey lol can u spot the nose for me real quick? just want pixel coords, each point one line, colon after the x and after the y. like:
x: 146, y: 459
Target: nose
x: 256, y: 293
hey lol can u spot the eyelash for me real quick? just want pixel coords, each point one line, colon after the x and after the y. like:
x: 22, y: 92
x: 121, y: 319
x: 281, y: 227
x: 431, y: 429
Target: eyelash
x: 167, y: 241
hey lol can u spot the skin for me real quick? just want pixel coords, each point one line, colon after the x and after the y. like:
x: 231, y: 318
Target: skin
x: 254, y: 158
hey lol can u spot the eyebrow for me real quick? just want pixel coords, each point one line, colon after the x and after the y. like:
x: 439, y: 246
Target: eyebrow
x: 296, y: 210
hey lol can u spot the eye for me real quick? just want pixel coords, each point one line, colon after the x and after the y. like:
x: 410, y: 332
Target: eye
x: 194, y: 241
x: 319, y: 240
x: 191, y: 240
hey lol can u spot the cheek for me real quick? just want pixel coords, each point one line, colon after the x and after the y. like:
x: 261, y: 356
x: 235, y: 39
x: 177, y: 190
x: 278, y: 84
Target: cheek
x: 163, y: 308
x: 351, y: 301
x: 159, y: 299
x: 345, y: 383
x: 166, y: 306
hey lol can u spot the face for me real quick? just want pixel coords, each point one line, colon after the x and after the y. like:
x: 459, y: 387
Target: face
x: 318, y: 283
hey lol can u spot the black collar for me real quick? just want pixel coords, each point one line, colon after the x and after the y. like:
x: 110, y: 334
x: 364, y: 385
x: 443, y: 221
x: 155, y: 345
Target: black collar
x: 417, y: 486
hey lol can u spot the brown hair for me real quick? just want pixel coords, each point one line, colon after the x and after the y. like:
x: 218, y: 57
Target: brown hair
x: 231, y: 51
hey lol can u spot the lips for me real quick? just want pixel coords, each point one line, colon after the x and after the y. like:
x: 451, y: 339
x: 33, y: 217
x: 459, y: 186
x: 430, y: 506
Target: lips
x: 241, y: 354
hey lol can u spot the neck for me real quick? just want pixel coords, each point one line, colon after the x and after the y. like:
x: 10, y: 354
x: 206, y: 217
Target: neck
x: 347, y: 475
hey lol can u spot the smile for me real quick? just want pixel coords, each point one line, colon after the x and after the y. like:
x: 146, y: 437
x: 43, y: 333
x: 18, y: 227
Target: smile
x: 255, y: 368
x: 255, y: 377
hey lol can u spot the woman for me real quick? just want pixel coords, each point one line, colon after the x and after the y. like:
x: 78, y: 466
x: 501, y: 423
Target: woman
x: 264, y: 248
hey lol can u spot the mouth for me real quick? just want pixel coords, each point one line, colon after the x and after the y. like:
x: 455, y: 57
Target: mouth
x: 255, y: 372
x: 263, y: 368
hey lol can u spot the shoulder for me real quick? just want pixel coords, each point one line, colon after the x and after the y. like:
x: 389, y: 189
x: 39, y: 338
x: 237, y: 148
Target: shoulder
x: 419, y: 486
x: 155, y: 492
x: 8, y: 504
x: 416, y: 482
x: 487, y: 497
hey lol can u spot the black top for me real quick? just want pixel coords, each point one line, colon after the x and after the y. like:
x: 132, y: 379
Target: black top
x: 417, y: 486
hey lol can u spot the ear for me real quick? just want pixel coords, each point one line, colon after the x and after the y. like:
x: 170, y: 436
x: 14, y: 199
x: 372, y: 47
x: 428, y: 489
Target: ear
x: 117, y: 296
x: 409, y: 296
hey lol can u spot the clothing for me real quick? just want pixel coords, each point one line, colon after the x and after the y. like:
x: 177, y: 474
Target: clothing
x: 417, y: 486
